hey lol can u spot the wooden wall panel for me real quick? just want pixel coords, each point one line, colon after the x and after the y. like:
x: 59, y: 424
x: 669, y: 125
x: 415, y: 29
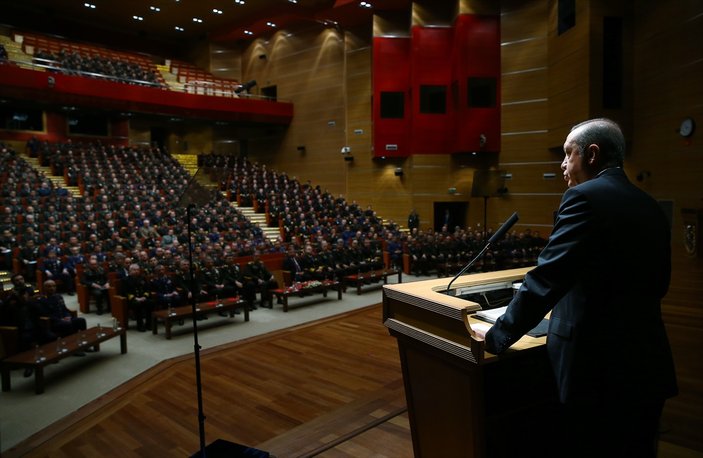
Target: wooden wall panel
x: 528, y: 116
x: 521, y: 20
x: 527, y: 147
x: 668, y: 68
x: 225, y: 62
x: 530, y: 83
x: 525, y: 112
x: 525, y: 55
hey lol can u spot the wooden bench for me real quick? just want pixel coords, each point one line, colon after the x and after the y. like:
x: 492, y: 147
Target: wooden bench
x: 168, y: 316
x: 306, y: 289
x: 372, y: 276
x: 55, y: 351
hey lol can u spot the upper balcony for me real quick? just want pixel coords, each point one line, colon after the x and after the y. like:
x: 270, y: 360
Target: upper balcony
x: 53, y: 71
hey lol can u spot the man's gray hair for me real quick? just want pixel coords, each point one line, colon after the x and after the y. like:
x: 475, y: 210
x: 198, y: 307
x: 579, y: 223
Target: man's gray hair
x: 607, y: 135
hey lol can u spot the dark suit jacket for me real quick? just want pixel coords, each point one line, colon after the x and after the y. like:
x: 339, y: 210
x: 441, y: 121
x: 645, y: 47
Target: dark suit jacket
x: 603, y: 274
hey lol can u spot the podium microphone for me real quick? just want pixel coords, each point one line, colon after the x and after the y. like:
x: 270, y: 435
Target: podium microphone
x: 495, y: 237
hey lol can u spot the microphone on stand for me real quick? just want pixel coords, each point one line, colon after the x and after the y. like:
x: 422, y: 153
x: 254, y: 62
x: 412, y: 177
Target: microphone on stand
x: 495, y: 237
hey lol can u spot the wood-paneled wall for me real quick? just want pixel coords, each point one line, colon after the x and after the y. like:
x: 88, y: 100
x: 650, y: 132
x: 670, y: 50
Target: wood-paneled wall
x: 668, y: 69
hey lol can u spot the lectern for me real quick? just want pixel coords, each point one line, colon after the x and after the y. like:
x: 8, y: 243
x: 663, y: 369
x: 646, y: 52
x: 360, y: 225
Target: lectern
x: 463, y: 401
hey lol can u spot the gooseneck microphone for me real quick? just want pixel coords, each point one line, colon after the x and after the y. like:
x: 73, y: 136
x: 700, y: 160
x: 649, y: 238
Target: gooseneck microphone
x: 495, y: 237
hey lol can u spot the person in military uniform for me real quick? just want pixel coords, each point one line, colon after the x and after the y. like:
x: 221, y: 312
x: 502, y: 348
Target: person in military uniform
x: 232, y: 275
x: 54, y: 270
x: 95, y: 279
x: 181, y: 280
x: 136, y: 289
x: 257, y: 278
x: 211, y: 282
x: 310, y: 264
x: 29, y: 256
x: 326, y: 262
x: 72, y: 262
x: 165, y: 293
x: 52, y: 305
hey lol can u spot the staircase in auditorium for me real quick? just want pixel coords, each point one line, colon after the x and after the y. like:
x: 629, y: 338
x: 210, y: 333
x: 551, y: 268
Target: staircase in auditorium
x: 58, y: 181
x: 190, y: 163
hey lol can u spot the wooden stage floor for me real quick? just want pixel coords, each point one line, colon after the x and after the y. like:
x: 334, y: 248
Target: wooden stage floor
x: 331, y: 388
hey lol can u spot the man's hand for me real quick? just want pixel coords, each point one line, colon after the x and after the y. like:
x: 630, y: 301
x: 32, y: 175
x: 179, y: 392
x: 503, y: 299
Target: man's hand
x: 480, y: 330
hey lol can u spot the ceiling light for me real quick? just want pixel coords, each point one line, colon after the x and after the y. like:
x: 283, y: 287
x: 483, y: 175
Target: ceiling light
x: 293, y: 1
x: 198, y: 20
x: 180, y: 29
x: 155, y: 8
x: 271, y: 24
x: 137, y: 18
x: 365, y: 5
x: 239, y: 2
x: 89, y: 5
x: 248, y: 32
x: 216, y: 11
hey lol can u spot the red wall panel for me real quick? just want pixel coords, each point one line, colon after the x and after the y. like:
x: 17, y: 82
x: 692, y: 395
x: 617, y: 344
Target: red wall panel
x: 477, y: 44
x: 391, y: 73
x: 431, y: 65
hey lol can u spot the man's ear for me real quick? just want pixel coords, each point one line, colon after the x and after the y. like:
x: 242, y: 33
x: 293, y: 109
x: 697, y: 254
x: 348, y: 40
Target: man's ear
x: 592, y: 154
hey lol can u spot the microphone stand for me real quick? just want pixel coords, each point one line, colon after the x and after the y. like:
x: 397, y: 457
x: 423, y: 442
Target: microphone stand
x: 498, y: 234
x: 196, y: 345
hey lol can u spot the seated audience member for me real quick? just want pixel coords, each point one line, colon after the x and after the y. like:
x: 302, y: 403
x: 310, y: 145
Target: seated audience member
x: 7, y: 243
x: 257, y: 278
x: 52, y: 305
x: 292, y: 264
x: 136, y: 289
x: 166, y: 294
x: 232, y: 275
x: 119, y: 266
x: 72, y: 261
x: 20, y: 310
x: 54, y: 270
x: 95, y: 279
x: 182, y: 282
x: 29, y: 255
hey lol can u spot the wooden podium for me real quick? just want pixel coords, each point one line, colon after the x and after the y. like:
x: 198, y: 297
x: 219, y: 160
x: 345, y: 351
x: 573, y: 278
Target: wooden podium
x: 462, y: 401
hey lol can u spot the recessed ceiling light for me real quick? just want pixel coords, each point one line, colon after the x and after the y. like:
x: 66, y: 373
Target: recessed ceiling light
x: 216, y: 11
x: 180, y: 29
x: 365, y: 5
x: 137, y: 18
x: 89, y: 5
x: 197, y: 19
x: 239, y: 2
x: 271, y: 24
x: 293, y: 1
x: 248, y: 32
x: 155, y: 8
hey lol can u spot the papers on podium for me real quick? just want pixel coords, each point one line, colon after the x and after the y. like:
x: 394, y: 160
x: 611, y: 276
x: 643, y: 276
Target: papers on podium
x: 491, y: 315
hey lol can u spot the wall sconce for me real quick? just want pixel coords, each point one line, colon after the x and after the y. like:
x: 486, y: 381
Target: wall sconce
x: 398, y: 171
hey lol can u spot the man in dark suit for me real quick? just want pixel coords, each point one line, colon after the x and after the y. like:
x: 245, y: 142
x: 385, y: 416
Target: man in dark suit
x: 603, y: 273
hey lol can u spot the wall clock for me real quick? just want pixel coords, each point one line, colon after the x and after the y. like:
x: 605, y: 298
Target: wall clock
x: 687, y: 127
